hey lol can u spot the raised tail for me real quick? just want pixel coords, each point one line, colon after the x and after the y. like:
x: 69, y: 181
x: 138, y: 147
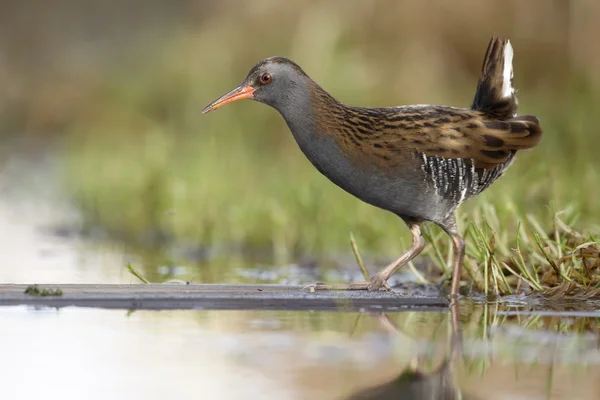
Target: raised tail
x: 495, y: 96
x: 495, y: 93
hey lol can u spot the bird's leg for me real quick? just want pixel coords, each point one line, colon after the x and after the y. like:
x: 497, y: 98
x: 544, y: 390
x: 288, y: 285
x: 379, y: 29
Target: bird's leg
x: 456, y: 343
x: 379, y: 280
x: 458, y: 249
x: 459, y: 255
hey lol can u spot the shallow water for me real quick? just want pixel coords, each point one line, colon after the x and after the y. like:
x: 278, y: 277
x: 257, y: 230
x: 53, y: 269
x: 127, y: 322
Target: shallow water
x: 505, y: 352
x: 98, y: 354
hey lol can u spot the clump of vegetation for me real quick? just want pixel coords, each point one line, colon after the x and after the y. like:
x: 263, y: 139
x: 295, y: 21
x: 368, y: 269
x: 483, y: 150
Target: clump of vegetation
x: 35, y: 290
x: 556, y: 263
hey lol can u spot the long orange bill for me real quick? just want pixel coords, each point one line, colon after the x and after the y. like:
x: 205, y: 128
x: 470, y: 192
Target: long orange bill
x: 239, y: 93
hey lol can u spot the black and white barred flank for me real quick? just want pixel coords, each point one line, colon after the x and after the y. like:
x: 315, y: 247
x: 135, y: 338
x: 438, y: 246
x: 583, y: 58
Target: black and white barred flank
x: 457, y: 179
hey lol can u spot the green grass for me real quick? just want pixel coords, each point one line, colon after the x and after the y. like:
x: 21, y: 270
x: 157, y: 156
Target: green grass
x: 141, y: 159
x: 136, y: 273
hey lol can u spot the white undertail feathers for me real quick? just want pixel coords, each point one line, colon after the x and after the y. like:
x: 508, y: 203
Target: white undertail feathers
x: 507, y: 88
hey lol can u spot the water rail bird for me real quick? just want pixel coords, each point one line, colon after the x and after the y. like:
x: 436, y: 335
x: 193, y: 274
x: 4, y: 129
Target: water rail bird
x: 419, y: 162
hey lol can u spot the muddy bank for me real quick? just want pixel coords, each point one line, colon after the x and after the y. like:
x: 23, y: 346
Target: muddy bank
x: 213, y: 296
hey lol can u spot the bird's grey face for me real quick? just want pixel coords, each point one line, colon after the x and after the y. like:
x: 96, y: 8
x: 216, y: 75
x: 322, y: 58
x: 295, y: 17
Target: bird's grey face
x: 273, y: 81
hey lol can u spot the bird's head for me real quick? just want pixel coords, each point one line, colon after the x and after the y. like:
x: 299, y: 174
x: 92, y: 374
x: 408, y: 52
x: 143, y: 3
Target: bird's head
x: 275, y: 81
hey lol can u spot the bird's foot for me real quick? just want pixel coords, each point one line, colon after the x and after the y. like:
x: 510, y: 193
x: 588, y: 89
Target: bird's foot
x: 374, y: 284
x: 454, y: 298
x: 337, y: 286
x: 377, y: 282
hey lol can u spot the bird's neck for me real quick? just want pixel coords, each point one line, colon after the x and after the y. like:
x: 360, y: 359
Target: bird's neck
x: 315, y: 122
x: 309, y: 111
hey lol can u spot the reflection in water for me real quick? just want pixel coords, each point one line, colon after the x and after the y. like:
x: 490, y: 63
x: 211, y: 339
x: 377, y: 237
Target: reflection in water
x: 280, y: 355
x: 417, y: 384
x: 414, y: 385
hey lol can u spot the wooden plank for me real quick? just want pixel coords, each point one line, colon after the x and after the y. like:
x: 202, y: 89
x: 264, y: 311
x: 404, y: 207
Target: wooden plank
x: 216, y: 297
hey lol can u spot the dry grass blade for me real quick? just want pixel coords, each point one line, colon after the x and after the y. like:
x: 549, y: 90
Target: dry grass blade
x: 419, y: 276
x: 559, y: 223
x: 475, y: 273
x: 359, y: 259
x: 571, y: 291
x: 429, y: 238
x: 550, y: 261
x: 520, y: 262
x: 531, y: 284
x: 136, y: 273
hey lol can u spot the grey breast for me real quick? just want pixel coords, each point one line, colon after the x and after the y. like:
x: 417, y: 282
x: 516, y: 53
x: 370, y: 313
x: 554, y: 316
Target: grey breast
x: 404, y: 190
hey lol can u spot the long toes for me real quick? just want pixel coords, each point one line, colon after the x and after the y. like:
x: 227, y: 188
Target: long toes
x: 315, y: 286
x: 342, y: 286
x: 359, y: 286
x: 377, y: 283
x: 454, y: 297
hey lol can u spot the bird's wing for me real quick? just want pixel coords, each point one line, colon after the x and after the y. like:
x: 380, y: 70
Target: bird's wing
x: 457, y: 133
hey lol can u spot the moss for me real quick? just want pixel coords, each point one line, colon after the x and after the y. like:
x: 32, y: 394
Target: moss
x: 35, y: 290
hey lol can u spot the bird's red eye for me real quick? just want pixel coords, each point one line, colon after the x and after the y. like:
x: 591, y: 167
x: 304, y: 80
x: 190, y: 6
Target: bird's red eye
x: 265, y: 78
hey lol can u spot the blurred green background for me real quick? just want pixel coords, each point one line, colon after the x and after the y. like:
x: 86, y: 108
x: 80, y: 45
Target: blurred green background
x: 116, y: 90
